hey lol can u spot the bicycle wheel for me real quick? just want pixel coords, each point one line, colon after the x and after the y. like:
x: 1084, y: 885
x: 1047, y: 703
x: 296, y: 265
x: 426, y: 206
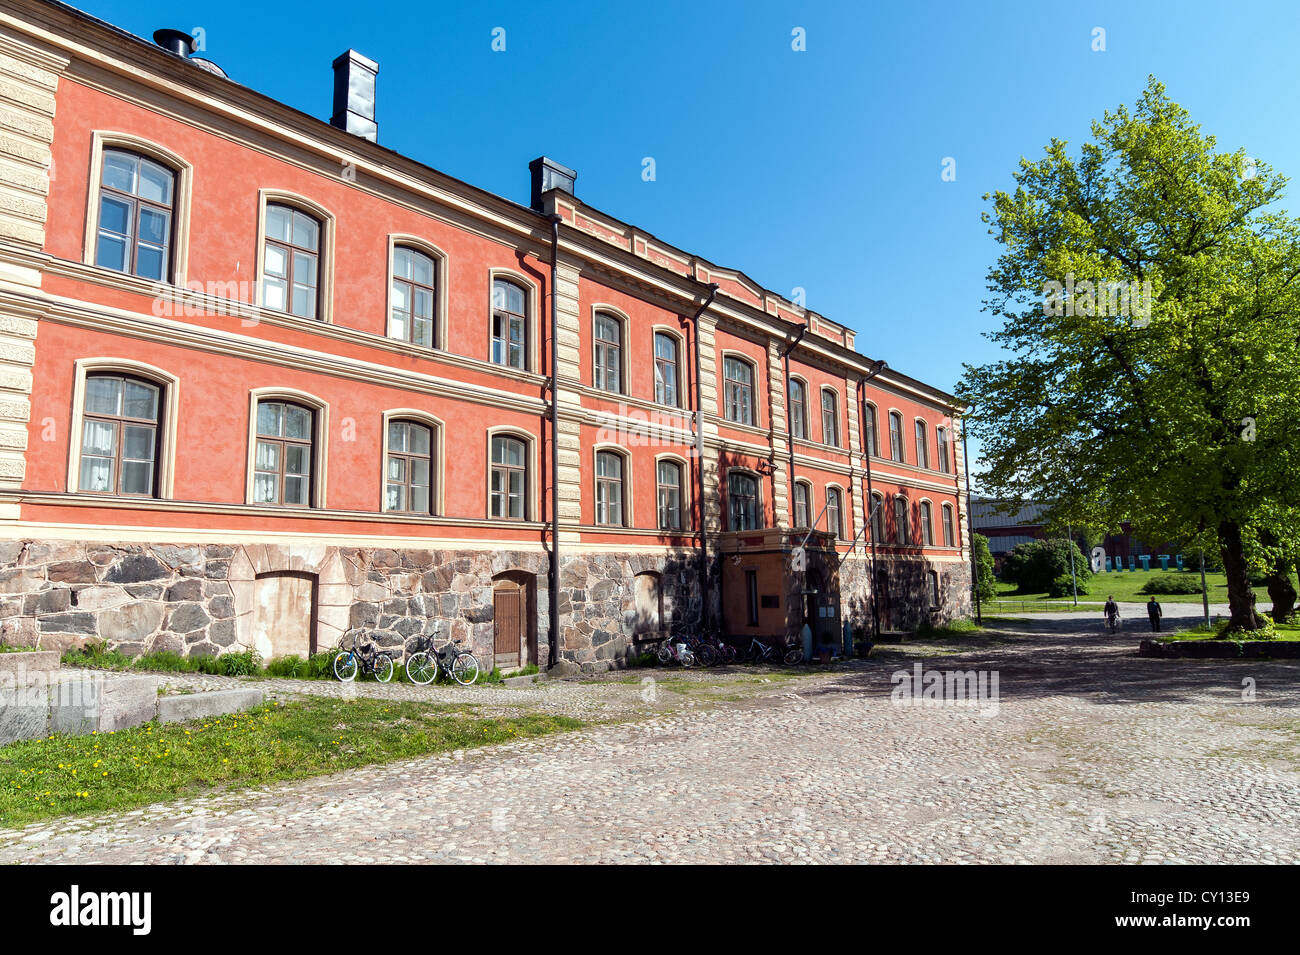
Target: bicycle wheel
x: 793, y: 656
x: 665, y: 653
x: 464, y: 669
x: 688, y: 658
x: 707, y: 655
x: 345, y: 666
x: 422, y: 668
x: 383, y: 668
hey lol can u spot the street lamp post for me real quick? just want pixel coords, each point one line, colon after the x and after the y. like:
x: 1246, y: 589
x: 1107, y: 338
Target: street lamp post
x: 970, y: 520
x: 867, y: 448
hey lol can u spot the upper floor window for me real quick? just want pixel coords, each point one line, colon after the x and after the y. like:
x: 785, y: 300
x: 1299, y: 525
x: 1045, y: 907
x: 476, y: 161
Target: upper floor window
x: 896, y: 436
x: 119, y: 436
x: 742, y: 501
x: 412, y: 307
x: 872, y: 448
x: 291, y: 261
x: 948, y: 536
x: 666, y: 370
x: 802, y: 499
x: 738, y: 390
x: 282, y: 462
x: 834, y: 512
x: 509, y: 324
x: 609, y: 488
x: 922, y: 446
x: 798, y: 410
x: 927, y: 524
x: 608, y: 352
x: 509, y: 478
x: 877, y: 517
x: 941, y: 442
x: 668, y: 480
x: 830, y: 418
x: 900, y: 520
x: 137, y: 199
x: 408, y: 476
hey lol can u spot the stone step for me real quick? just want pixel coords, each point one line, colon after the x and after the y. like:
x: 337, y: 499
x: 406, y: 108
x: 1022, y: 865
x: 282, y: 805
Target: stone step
x: 21, y: 665
x: 197, y: 706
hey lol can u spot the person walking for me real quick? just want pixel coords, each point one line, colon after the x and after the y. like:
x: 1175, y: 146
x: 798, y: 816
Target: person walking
x: 1112, y: 613
x: 1154, y: 613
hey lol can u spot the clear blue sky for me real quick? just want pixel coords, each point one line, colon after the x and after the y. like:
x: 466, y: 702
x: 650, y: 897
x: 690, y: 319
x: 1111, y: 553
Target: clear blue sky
x: 818, y: 169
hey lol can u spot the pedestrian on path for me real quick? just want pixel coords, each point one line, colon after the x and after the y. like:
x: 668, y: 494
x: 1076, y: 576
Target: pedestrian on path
x: 1154, y: 613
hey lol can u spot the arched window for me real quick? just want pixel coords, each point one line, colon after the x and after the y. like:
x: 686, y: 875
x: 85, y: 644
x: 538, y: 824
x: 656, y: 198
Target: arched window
x: 830, y: 418
x: 291, y: 261
x: 900, y: 520
x: 896, y: 436
x: 738, y: 390
x: 948, y: 535
x: 742, y: 501
x: 927, y: 524
x: 608, y: 352
x: 609, y: 488
x: 509, y: 324
x: 802, y: 503
x: 933, y: 581
x: 877, y: 518
x: 137, y: 199
x: 798, y: 410
x: 922, y: 446
x: 408, y: 477
x: 508, y: 485
x: 668, y: 488
x: 834, y: 512
x: 872, y: 447
x: 283, y: 458
x: 120, y: 427
x: 412, y: 316
x: 666, y: 370
x: 941, y: 445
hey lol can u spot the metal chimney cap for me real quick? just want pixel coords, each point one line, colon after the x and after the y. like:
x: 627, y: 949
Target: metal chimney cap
x: 174, y: 41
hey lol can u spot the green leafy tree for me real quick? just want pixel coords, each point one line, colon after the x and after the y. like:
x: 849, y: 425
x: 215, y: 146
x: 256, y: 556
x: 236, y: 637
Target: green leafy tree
x: 985, y: 581
x: 1178, y: 410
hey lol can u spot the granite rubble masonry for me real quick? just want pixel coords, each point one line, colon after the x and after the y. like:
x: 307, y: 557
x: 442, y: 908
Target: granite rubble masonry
x: 195, y: 600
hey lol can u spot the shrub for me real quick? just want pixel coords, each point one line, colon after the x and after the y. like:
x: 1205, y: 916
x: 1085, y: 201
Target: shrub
x: 1064, y: 586
x: 1033, y: 565
x: 1172, y: 584
x: 985, y: 586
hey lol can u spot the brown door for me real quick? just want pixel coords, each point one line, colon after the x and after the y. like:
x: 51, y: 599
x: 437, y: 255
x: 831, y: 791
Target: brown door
x: 508, y: 622
x: 882, y: 598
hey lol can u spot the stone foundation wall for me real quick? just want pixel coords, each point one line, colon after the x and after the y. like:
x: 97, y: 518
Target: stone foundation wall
x: 197, y: 599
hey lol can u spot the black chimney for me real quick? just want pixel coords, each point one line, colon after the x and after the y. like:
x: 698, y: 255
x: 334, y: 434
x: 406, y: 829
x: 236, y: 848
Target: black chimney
x: 547, y: 175
x: 174, y: 41
x: 354, y: 95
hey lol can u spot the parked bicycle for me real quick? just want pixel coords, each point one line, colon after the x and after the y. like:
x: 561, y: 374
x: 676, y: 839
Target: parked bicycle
x: 462, y: 666
x: 760, y: 652
x: 676, y: 650
x: 363, y: 658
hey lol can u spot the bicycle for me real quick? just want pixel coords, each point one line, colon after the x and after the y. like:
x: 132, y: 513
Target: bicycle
x: 671, y: 651
x: 366, y: 658
x: 1112, y: 622
x: 462, y: 666
x: 760, y: 652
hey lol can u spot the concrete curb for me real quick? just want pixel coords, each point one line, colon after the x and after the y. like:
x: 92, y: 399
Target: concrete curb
x: 197, y: 706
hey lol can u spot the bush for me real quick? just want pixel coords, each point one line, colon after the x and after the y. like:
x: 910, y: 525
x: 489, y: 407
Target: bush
x: 985, y: 587
x: 1172, y: 584
x: 1064, y: 586
x: 1034, y: 565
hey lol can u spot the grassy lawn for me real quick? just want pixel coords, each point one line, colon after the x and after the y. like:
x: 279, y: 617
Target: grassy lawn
x: 1285, y: 631
x: 1126, y: 586
x: 67, y: 775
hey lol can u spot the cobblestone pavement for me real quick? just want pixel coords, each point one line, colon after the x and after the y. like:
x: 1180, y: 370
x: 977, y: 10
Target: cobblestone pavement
x: 1090, y: 755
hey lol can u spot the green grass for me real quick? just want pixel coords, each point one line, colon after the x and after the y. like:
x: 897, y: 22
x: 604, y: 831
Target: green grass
x: 955, y: 628
x: 71, y: 775
x: 1282, y: 631
x: 1127, y: 586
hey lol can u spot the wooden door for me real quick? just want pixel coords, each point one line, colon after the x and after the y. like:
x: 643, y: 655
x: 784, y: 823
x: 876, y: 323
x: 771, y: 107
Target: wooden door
x: 508, y: 623
x: 881, y: 597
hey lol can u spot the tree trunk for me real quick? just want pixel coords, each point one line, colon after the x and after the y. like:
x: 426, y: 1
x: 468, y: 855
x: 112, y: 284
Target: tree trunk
x: 1241, y: 598
x: 1282, y: 591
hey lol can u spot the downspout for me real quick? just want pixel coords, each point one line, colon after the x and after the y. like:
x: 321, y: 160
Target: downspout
x: 554, y: 588
x: 699, y: 457
x: 789, y: 440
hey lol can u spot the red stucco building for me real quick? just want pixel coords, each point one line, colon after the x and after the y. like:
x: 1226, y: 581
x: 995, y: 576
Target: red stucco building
x: 264, y: 382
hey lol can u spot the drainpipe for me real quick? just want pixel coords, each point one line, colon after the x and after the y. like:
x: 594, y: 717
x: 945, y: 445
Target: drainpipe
x: 970, y: 519
x: 789, y: 440
x: 699, y: 456
x: 876, y: 368
x: 553, y: 651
